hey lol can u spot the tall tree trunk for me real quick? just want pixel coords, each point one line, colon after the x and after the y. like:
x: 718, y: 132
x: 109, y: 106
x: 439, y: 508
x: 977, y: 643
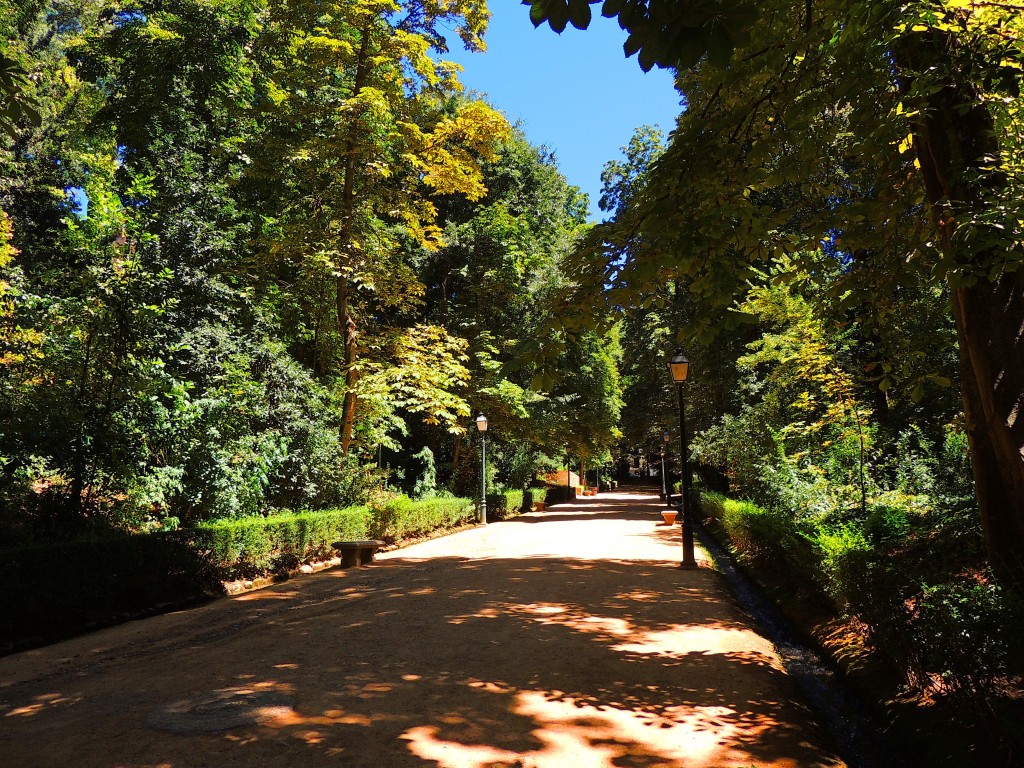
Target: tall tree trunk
x: 456, y: 457
x: 346, y: 321
x: 955, y: 138
x: 989, y: 326
x: 78, y: 469
x: 347, y: 329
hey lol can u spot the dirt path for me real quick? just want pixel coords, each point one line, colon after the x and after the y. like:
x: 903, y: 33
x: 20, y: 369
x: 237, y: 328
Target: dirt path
x: 562, y: 638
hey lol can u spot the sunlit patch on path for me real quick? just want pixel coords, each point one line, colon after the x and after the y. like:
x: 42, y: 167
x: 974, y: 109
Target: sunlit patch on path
x: 578, y: 734
x: 564, y: 639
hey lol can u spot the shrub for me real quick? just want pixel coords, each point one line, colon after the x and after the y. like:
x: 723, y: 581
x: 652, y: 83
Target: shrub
x: 712, y: 505
x: 504, y: 505
x: 400, y: 517
x: 964, y: 635
x: 253, y: 546
x: 558, y: 494
x: 887, y: 525
x: 762, y: 537
x: 533, y: 496
x: 51, y: 591
x: 967, y: 631
x: 45, y: 597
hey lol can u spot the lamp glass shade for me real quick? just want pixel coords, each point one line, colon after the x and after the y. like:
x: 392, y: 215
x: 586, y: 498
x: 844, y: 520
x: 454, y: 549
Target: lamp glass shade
x: 666, y: 436
x: 679, y: 365
x: 481, y: 423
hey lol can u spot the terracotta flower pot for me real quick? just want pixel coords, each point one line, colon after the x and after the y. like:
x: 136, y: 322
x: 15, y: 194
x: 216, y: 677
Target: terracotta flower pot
x: 669, y: 516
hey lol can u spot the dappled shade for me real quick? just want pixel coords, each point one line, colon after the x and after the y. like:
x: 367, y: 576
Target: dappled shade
x: 524, y: 655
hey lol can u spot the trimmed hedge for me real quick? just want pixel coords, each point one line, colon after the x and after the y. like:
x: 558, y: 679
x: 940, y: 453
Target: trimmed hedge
x: 511, y: 503
x: 402, y: 517
x: 767, y: 539
x: 559, y: 494
x: 52, y: 591
x: 504, y: 505
x: 533, y: 496
x: 965, y: 633
x: 255, y: 546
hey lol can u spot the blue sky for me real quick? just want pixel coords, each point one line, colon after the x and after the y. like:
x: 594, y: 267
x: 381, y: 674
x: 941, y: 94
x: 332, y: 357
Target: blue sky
x: 575, y: 93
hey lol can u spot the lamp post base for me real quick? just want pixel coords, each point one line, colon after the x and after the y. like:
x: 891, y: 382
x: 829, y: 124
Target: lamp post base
x: 688, y: 566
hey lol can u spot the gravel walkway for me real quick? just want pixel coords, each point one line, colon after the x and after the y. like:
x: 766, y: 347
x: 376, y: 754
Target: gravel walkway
x: 561, y: 638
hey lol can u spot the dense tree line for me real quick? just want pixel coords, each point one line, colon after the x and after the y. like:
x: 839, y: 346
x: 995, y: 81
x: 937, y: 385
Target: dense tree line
x: 834, y: 230
x: 885, y: 136
x: 255, y: 255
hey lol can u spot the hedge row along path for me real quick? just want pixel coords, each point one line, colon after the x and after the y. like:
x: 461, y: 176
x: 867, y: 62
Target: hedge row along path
x: 559, y: 638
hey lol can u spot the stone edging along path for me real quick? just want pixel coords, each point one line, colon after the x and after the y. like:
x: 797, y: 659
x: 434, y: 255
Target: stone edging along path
x: 558, y: 638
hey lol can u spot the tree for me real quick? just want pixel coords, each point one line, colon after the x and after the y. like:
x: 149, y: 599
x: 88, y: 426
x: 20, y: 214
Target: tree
x: 843, y: 99
x: 355, y: 127
x: 492, y: 283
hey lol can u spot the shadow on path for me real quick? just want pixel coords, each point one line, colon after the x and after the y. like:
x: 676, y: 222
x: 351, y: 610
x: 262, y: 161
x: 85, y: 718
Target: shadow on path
x: 454, y: 661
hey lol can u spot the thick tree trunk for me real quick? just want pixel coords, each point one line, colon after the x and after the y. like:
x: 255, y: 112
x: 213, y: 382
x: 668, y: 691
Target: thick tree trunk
x: 955, y: 137
x: 456, y: 456
x: 989, y: 325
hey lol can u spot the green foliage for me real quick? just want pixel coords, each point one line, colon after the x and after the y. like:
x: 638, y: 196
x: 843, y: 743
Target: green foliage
x: 131, y: 575
x: 532, y: 496
x: 887, y: 526
x: 426, y: 484
x: 853, y: 169
x: 400, y: 517
x: 15, y: 104
x: 766, y: 539
x: 504, y: 505
x: 969, y: 632
x: 962, y: 633
x: 256, y: 546
x: 220, y: 194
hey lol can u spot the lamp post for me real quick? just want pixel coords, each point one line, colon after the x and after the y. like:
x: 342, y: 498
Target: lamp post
x: 679, y: 365
x: 481, y: 425
x: 665, y: 437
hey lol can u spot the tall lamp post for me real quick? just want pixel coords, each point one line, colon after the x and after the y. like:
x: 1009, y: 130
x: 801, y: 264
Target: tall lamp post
x: 481, y: 425
x: 679, y: 365
x: 665, y: 437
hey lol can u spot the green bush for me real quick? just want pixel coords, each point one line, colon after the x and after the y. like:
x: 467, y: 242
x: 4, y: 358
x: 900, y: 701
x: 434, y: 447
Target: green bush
x: 762, y: 537
x: 559, y: 494
x: 51, y: 591
x: 533, y: 496
x: 887, y: 525
x: 712, y: 505
x: 504, y: 505
x: 254, y: 546
x: 964, y: 633
x: 401, y: 517
x: 968, y: 632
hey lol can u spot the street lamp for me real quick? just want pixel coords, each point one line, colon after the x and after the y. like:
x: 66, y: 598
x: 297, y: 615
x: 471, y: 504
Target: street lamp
x: 679, y: 365
x: 481, y: 425
x: 665, y: 437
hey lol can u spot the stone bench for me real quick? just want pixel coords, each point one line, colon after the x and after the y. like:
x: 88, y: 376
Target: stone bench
x: 356, y: 553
